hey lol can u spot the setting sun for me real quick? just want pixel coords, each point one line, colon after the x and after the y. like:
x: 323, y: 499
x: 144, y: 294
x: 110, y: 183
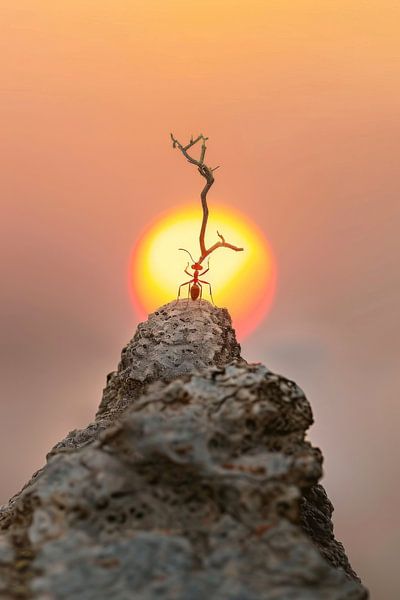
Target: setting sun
x: 243, y: 282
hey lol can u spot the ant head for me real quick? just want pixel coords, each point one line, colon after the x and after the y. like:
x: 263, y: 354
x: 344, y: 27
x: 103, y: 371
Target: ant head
x: 197, y: 267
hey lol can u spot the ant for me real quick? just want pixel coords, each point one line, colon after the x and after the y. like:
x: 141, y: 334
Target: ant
x: 195, y: 288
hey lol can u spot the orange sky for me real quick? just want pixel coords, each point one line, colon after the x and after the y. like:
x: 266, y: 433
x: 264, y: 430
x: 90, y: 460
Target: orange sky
x: 301, y: 104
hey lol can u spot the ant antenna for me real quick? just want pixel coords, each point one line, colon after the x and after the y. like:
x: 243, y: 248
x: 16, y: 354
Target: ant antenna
x: 184, y: 250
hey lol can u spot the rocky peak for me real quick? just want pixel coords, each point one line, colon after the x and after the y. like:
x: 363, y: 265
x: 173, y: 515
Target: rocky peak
x: 195, y: 480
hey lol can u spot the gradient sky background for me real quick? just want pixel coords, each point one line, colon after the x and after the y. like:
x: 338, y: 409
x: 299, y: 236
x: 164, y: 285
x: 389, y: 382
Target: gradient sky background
x: 301, y: 103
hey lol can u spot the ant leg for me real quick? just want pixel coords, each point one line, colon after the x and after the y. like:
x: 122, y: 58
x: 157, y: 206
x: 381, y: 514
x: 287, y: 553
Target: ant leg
x: 179, y: 290
x: 209, y: 284
x: 201, y: 293
x: 208, y: 268
x: 187, y: 303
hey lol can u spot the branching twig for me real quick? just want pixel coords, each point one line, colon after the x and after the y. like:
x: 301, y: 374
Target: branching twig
x: 207, y: 173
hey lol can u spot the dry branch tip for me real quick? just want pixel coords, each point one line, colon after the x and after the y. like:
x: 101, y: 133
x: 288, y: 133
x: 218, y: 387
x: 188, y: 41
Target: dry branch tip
x: 206, y: 172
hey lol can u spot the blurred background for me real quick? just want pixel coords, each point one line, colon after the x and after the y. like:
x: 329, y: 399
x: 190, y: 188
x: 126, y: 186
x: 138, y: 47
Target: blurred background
x: 301, y: 104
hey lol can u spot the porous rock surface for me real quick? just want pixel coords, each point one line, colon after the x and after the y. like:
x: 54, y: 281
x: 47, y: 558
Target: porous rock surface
x: 194, y: 482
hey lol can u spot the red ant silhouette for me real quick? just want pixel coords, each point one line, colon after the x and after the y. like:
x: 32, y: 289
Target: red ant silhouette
x: 195, y: 288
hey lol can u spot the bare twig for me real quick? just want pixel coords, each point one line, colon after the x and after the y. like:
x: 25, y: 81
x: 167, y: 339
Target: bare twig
x: 207, y: 173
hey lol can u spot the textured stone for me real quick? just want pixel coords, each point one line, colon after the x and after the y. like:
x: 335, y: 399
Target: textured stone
x: 195, y: 481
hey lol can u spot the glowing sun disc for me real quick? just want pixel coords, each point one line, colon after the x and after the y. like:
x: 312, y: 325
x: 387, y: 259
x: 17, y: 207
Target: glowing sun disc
x: 243, y: 282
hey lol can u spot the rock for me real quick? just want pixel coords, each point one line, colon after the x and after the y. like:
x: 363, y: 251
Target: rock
x: 194, y: 481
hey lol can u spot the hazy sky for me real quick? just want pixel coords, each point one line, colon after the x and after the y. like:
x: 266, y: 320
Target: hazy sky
x: 301, y: 104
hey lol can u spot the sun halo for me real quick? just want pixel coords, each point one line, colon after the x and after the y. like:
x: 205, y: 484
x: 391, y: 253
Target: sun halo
x: 243, y: 282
